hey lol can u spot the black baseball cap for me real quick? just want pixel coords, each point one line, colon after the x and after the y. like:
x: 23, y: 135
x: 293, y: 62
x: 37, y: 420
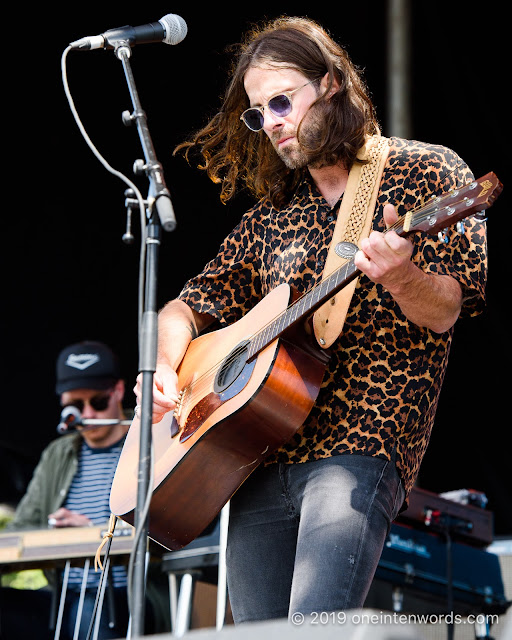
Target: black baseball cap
x: 87, y: 365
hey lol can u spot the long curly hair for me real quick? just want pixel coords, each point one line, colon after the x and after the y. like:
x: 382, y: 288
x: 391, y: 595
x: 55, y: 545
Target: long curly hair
x: 233, y: 155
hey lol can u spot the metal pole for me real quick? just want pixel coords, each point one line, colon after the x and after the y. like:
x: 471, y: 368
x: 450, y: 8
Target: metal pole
x: 399, y: 118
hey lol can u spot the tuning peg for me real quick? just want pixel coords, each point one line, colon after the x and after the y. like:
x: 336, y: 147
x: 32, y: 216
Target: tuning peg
x: 443, y: 236
x: 461, y: 228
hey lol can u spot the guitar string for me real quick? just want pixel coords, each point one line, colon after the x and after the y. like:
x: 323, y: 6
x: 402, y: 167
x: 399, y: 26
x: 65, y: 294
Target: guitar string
x: 420, y: 214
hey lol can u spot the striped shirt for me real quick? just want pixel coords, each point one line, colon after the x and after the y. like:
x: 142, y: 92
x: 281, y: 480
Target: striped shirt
x: 89, y: 494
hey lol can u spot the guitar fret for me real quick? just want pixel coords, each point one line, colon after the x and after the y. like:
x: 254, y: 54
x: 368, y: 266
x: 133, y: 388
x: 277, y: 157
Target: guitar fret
x: 255, y: 345
x: 280, y: 325
x: 299, y: 309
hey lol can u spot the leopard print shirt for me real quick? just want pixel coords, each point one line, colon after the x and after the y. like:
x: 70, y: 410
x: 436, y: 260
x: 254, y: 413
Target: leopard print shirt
x: 382, y: 384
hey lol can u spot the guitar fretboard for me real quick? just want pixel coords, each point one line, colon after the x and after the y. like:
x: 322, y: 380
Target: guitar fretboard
x: 304, y: 306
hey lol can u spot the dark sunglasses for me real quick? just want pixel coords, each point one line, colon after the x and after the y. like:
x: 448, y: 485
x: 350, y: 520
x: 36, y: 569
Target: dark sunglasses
x: 280, y: 105
x: 98, y: 402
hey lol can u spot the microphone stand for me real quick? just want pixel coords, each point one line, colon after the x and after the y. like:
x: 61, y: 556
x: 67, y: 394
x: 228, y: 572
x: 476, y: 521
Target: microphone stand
x: 159, y: 214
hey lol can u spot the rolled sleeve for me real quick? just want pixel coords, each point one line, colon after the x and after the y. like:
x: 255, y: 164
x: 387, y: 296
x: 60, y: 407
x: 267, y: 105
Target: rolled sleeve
x: 464, y: 258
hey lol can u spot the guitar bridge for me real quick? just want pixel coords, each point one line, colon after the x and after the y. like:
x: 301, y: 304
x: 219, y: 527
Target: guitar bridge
x: 175, y: 427
x: 179, y: 404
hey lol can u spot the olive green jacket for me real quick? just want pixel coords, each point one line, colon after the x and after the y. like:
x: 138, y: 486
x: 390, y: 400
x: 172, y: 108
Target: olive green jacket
x: 50, y: 483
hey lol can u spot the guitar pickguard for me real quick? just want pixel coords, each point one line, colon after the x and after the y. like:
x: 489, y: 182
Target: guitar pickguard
x: 233, y: 375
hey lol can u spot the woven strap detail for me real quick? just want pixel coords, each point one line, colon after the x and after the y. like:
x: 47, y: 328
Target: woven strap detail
x: 354, y: 223
x: 364, y: 192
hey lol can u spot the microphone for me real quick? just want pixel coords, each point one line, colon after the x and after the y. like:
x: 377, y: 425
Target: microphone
x: 69, y: 419
x: 170, y: 29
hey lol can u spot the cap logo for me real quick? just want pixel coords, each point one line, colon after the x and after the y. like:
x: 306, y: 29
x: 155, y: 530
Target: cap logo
x: 82, y: 361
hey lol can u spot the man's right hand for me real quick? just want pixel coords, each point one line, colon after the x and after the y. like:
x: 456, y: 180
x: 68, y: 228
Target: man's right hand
x: 65, y: 518
x: 165, y: 391
x: 178, y: 324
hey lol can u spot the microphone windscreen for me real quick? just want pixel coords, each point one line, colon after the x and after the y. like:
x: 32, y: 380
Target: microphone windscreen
x: 175, y: 28
x: 70, y: 415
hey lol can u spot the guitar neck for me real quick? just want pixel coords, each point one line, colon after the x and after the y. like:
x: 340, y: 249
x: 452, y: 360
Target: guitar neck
x: 304, y: 306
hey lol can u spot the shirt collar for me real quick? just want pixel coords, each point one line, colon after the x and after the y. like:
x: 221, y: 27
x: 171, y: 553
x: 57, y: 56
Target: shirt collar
x: 308, y: 189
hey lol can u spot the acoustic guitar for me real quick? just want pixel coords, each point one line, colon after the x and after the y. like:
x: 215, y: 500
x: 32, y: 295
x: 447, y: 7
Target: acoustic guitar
x: 245, y: 390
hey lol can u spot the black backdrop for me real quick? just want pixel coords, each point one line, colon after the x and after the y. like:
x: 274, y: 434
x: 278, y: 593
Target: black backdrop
x: 68, y: 276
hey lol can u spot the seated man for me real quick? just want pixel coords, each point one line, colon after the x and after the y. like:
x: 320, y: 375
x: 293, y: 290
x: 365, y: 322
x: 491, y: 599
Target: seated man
x: 71, y: 486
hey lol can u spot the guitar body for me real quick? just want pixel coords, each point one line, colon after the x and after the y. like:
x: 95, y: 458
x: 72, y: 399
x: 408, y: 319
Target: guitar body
x: 233, y: 412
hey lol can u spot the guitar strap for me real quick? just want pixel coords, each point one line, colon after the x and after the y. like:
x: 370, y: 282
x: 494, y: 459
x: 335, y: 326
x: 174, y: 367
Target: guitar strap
x: 354, y: 222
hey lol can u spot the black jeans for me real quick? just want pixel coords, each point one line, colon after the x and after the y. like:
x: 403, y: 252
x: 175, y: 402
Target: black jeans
x: 307, y: 538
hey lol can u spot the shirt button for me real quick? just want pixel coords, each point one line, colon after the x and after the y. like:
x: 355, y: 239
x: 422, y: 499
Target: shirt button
x: 330, y: 218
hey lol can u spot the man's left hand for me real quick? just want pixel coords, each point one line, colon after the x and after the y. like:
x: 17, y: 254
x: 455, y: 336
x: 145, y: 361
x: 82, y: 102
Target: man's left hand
x: 386, y: 257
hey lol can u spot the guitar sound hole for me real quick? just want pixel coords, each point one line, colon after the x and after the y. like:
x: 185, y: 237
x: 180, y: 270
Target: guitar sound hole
x: 231, y: 368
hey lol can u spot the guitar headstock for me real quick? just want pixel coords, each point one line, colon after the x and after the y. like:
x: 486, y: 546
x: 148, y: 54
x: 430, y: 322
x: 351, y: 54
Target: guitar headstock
x: 445, y: 211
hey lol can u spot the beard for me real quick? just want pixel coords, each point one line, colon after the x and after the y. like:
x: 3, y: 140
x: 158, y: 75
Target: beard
x: 296, y: 154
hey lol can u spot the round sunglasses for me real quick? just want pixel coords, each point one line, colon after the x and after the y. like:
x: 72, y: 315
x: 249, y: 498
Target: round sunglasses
x: 280, y: 105
x: 99, y: 402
